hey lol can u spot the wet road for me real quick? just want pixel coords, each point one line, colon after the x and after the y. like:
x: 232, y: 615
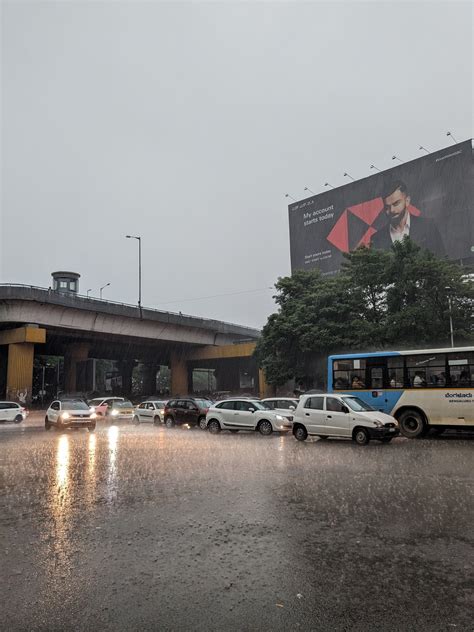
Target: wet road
x: 143, y: 528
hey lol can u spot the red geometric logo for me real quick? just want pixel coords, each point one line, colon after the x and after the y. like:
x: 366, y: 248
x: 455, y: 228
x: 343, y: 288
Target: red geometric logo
x: 355, y: 228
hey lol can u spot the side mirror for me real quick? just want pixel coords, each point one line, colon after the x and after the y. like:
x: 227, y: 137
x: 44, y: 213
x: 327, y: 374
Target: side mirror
x: 291, y: 408
x: 345, y: 409
x: 251, y: 410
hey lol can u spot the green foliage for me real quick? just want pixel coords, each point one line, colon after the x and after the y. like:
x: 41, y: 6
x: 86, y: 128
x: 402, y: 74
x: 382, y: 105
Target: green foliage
x: 380, y: 299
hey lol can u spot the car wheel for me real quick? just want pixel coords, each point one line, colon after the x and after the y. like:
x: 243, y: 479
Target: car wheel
x: 300, y: 433
x: 18, y: 419
x: 169, y: 422
x: 156, y: 420
x: 386, y: 439
x: 47, y: 424
x: 214, y: 426
x: 265, y: 427
x: 412, y: 424
x: 91, y: 427
x: 203, y: 423
x: 136, y: 420
x: 361, y: 436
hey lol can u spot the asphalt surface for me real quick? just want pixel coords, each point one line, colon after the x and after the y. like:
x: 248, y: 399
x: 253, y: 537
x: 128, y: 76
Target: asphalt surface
x: 143, y: 528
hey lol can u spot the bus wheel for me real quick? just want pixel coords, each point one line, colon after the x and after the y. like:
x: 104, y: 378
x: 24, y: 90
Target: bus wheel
x: 412, y: 424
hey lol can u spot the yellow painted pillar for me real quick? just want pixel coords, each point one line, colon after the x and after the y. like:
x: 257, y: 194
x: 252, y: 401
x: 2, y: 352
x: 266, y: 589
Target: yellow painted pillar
x: 264, y: 389
x: 20, y: 371
x: 21, y: 350
x: 179, y: 374
x: 76, y: 352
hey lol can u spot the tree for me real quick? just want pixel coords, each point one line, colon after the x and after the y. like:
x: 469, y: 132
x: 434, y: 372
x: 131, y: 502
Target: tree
x: 380, y: 299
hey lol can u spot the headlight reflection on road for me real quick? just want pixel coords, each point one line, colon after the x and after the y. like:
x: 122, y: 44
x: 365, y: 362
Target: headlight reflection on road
x: 62, y: 467
x: 92, y: 446
x: 113, y: 437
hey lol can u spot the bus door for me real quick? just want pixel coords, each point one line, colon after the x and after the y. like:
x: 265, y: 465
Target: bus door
x: 376, y: 375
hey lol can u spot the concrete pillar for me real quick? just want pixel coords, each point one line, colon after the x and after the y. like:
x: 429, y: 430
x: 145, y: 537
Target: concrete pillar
x: 20, y: 371
x: 126, y: 370
x: 21, y: 350
x: 149, y: 379
x: 179, y: 374
x: 75, y: 353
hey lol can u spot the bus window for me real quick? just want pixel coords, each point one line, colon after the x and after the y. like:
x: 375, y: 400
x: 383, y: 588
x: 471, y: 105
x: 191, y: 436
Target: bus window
x: 395, y: 372
x: 461, y: 369
x: 349, y: 373
x: 426, y: 371
x: 376, y: 377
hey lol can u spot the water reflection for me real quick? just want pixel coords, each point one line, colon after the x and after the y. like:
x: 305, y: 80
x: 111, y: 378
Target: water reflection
x: 113, y: 437
x: 62, y: 469
x: 91, y: 461
x: 60, y: 508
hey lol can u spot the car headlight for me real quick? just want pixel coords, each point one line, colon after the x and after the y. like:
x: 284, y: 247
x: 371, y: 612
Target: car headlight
x: 65, y: 415
x: 162, y: 411
x: 92, y: 409
x: 115, y: 413
x: 378, y: 424
x: 280, y: 418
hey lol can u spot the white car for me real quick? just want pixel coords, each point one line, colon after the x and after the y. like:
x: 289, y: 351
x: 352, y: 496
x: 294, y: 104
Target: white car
x: 245, y: 414
x: 11, y: 411
x: 151, y: 410
x: 330, y: 415
x: 103, y: 405
x: 70, y: 414
x: 281, y: 403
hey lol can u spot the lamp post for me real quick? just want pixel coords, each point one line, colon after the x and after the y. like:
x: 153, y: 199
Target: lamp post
x: 139, y: 239
x: 89, y: 290
x: 451, y: 329
x: 102, y: 288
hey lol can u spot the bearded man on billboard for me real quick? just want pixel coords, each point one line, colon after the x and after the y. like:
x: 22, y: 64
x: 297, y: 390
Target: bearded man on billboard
x: 401, y: 223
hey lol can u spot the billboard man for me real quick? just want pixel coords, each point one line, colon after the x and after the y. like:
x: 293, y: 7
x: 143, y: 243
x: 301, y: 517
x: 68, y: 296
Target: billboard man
x: 401, y: 223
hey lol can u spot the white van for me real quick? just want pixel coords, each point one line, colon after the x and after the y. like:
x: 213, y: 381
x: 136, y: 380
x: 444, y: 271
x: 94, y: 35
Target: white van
x: 329, y: 415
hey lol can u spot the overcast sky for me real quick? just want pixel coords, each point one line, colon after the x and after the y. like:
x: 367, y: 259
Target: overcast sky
x: 186, y: 123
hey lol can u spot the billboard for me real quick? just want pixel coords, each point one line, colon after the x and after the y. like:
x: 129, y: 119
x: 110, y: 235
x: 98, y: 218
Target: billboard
x: 430, y: 199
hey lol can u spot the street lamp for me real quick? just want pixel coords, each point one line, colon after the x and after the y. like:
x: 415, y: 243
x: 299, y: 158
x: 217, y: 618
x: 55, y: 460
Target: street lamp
x: 451, y: 330
x: 89, y: 290
x: 103, y: 287
x: 139, y: 239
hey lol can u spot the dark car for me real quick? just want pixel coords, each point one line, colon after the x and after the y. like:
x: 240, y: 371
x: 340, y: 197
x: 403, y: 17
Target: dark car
x: 186, y: 410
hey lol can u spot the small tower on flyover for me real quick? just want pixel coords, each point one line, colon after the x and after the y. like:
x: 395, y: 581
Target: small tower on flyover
x: 66, y: 282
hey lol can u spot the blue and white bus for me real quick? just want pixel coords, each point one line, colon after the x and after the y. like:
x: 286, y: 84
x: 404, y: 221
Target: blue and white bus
x: 422, y: 389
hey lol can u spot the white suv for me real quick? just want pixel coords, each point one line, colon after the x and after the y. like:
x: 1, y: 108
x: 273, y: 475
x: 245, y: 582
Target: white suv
x: 70, y: 414
x: 245, y: 414
x: 329, y: 415
x: 11, y: 411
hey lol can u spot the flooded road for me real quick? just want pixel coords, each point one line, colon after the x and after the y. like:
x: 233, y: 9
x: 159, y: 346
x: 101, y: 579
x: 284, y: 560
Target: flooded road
x: 144, y: 528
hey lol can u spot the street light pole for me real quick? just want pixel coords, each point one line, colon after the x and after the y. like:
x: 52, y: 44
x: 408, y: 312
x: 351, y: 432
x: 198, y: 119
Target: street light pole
x: 451, y: 329
x: 102, y: 288
x: 139, y: 239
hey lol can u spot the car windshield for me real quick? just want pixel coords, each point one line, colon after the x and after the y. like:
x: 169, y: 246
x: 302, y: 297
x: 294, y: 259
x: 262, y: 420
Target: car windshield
x: 74, y: 406
x: 203, y: 403
x: 260, y: 405
x: 356, y: 404
x: 95, y: 402
x: 124, y: 404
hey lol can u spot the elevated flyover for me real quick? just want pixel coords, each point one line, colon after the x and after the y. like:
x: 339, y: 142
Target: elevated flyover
x: 36, y: 320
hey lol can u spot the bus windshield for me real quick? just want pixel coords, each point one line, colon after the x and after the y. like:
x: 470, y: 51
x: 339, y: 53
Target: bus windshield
x: 356, y: 404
